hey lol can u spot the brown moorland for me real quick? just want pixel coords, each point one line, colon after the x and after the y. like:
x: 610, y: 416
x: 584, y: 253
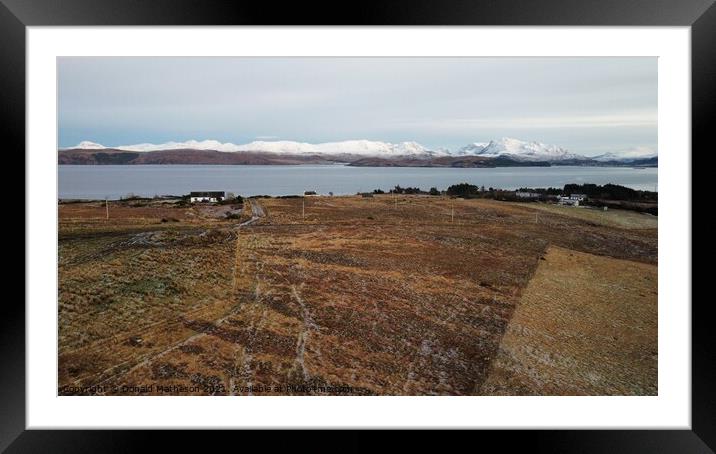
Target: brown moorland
x: 405, y: 295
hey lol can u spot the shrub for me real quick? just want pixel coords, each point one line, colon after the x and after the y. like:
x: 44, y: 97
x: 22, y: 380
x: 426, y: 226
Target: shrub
x: 232, y: 200
x: 610, y: 192
x: 463, y: 190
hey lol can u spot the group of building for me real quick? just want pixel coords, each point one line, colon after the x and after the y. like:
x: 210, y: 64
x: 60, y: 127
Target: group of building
x: 571, y: 199
x: 218, y: 196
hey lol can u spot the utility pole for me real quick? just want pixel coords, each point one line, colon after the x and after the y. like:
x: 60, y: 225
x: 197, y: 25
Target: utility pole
x: 106, y: 206
x: 452, y: 212
x: 303, y: 208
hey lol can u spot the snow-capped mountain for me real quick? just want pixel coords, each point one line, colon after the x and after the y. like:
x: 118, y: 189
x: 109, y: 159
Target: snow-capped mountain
x: 519, y: 150
x: 87, y: 145
x: 352, y: 147
x: 627, y: 155
x: 513, y: 149
x: 188, y: 145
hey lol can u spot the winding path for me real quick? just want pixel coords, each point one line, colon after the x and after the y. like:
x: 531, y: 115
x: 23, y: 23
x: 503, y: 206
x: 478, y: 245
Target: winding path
x: 257, y: 212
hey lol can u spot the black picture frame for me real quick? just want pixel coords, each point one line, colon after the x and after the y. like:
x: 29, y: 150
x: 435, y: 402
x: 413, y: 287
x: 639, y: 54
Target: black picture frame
x: 16, y: 15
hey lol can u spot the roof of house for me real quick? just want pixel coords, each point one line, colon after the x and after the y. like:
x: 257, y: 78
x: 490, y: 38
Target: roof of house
x: 207, y: 194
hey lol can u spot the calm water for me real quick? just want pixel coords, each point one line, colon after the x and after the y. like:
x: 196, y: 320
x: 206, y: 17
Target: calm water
x: 100, y: 181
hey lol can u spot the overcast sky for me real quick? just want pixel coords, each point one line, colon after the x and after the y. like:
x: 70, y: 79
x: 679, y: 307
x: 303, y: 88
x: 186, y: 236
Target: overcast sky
x: 588, y: 105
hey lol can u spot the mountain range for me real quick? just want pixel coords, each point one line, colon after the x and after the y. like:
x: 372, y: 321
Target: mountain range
x: 502, y: 152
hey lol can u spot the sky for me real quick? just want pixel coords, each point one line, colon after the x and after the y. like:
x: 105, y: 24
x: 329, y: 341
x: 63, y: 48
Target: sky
x: 587, y: 105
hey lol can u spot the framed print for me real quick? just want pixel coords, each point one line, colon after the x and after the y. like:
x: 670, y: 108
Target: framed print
x: 409, y: 217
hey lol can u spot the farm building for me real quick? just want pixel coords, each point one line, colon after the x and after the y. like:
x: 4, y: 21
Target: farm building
x: 578, y: 197
x: 207, y: 196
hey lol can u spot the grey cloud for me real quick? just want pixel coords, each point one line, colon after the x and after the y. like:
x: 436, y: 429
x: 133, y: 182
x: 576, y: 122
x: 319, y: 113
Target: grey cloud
x: 585, y: 104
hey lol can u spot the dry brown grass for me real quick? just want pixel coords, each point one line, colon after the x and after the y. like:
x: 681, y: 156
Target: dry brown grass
x: 585, y: 325
x: 369, y: 294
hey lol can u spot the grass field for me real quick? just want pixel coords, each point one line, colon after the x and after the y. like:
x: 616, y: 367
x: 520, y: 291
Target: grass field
x: 615, y: 218
x: 586, y: 325
x: 368, y: 296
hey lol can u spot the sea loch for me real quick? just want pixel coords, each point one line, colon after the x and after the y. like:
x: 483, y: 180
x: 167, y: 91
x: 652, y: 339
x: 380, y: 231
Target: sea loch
x: 116, y: 181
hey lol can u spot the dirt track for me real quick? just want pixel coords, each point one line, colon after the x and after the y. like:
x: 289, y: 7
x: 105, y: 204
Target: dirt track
x: 257, y: 212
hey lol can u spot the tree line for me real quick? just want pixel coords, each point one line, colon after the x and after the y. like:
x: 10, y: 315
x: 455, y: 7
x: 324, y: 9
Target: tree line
x: 605, y: 192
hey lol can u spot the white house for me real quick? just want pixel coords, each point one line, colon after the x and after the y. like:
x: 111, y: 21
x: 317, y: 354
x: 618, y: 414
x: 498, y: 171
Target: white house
x: 207, y: 196
x: 572, y: 199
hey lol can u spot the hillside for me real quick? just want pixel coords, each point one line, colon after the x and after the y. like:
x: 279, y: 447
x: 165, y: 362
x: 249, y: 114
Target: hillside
x: 188, y: 157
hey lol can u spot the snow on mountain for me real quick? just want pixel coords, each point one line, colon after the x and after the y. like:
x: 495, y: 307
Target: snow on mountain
x: 472, y: 149
x: 354, y: 147
x: 87, y: 145
x: 512, y: 148
x: 440, y: 151
x: 627, y: 155
x: 189, y: 145
x: 519, y: 150
x: 143, y: 147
